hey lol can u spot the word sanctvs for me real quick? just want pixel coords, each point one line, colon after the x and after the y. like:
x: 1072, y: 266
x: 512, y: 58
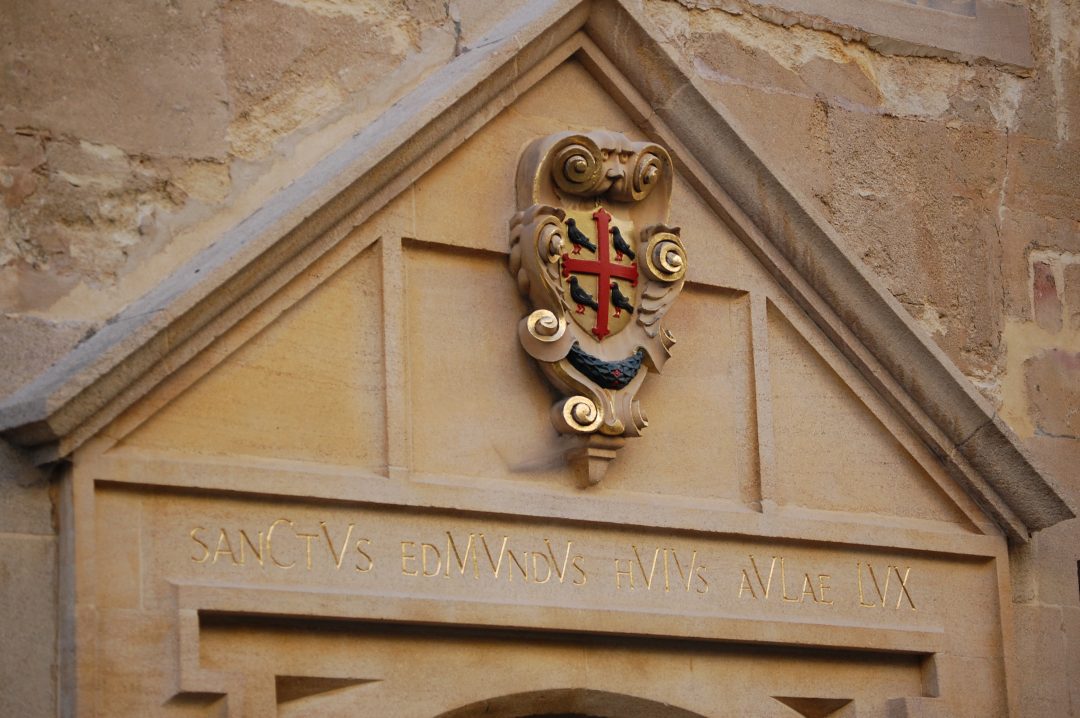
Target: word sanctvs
x: 283, y: 546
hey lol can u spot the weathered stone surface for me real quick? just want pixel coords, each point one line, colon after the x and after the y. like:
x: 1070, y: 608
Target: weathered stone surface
x: 937, y: 214
x: 28, y: 590
x: 323, y: 53
x: 30, y: 345
x: 145, y: 77
x: 1042, y: 177
x: 1055, y: 558
x: 25, y: 506
x: 1071, y: 294
x: 1053, y: 382
x: 1046, y: 301
x: 1042, y: 692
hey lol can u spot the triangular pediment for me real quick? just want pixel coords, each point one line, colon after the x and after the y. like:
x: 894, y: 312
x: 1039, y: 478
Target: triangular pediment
x: 375, y: 292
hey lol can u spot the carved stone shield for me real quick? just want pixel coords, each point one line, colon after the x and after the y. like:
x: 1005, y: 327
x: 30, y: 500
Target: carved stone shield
x: 591, y: 251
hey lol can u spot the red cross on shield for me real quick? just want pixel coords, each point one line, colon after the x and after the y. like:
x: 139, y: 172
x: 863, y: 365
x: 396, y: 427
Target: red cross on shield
x: 598, y: 279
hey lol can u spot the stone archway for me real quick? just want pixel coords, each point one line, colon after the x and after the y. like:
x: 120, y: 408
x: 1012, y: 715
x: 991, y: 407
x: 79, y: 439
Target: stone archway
x: 568, y: 703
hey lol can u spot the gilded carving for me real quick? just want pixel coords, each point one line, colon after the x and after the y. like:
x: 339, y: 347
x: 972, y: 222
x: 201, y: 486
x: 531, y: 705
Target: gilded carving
x: 591, y: 251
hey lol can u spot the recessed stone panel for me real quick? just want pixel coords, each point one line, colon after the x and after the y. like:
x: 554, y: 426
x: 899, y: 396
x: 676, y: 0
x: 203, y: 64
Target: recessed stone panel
x: 832, y: 452
x: 272, y: 397
x: 476, y: 405
x: 702, y: 436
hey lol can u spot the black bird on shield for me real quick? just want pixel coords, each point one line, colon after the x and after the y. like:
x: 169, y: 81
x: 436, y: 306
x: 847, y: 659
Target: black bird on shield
x: 620, y: 301
x: 621, y: 247
x: 578, y: 238
x: 581, y: 297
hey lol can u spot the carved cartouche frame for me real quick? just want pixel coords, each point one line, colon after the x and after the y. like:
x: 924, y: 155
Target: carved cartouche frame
x: 591, y: 251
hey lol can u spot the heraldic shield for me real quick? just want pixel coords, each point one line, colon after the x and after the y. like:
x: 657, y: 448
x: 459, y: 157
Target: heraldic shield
x: 591, y: 252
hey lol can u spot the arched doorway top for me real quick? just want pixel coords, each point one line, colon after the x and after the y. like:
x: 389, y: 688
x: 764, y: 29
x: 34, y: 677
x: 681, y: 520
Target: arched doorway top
x: 569, y: 703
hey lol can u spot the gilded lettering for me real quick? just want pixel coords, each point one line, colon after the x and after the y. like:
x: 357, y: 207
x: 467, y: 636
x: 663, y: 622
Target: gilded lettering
x: 783, y: 585
x: 903, y: 588
x: 667, y: 579
x: 807, y: 589
x: 559, y: 572
x: 629, y: 573
x: 205, y: 548
x: 687, y: 577
x: 536, y: 572
x: 338, y: 557
x: 451, y: 548
x: 366, y: 555
x: 762, y: 584
x: 245, y: 539
x: 580, y: 569
x: 524, y: 568
x: 223, y: 540
x: 307, y: 539
x: 888, y: 574
x: 883, y: 593
x: 704, y: 587
x: 406, y: 557
x: 745, y: 585
x: 822, y: 587
x: 495, y: 568
x: 862, y: 597
x: 270, y: 543
x: 426, y: 549
x: 648, y: 578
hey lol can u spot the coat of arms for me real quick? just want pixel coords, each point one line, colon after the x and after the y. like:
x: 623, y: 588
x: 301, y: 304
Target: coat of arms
x: 591, y: 251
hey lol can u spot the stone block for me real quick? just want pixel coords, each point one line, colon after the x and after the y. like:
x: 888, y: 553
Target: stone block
x: 1041, y: 647
x: 1071, y: 295
x: 1022, y: 231
x: 917, y: 202
x: 28, y: 631
x: 1057, y: 553
x: 147, y: 77
x: 322, y: 52
x: 1053, y: 390
x: 1045, y: 299
x: 1042, y: 177
x: 1058, y: 456
x: 31, y: 345
x: 25, y: 506
x: 1071, y: 624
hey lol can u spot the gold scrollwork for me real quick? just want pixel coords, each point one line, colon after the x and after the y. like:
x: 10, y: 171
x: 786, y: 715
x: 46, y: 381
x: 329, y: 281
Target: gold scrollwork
x: 545, y: 326
x: 577, y: 167
x: 665, y: 258
x: 577, y: 415
x: 646, y: 175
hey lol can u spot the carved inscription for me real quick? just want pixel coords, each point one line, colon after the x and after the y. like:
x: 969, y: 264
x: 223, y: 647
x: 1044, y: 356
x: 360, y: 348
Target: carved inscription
x: 494, y: 559
x: 282, y: 545
x: 803, y: 586
x: 777, y: 580
x: 686, y: 573
x: 487, y: 559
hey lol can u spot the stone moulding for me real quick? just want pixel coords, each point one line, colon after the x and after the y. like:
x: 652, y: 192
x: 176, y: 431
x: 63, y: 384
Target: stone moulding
x: 71, y: 401
x: 621, y: 275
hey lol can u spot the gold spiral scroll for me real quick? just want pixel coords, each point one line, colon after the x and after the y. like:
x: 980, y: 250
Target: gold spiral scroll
x: 646, y: 176
x: 577, y: 166
x: 576, y: 415
x: 544, y: 326
x: 665, y: 258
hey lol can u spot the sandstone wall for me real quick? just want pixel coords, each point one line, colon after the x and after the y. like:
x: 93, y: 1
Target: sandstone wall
x: 133, y: 133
